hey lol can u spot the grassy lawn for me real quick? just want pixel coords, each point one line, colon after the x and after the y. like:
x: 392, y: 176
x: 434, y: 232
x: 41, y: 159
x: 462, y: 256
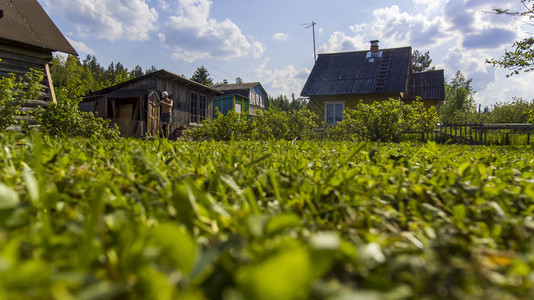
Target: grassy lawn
x: 101, y: 219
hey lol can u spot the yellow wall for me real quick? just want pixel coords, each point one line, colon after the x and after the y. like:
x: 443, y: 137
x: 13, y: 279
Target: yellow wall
x: 428, y: 103
x: 317, y: 103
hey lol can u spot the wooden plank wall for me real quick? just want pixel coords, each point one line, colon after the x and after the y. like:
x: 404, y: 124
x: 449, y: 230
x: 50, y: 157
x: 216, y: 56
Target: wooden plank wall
x: 18, y: 61
x: 178, y: 91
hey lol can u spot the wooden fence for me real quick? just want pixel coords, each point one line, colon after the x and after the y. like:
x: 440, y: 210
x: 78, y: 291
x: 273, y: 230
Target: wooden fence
x: 477, y: 133
x: 470, y: 133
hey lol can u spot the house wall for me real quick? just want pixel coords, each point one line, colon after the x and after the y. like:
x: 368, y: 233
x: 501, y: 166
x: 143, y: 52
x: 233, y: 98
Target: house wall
x: 351, y: 101
x: 18, y: 59
x: 227, y: 102
x: 427, y: 103
x: 258, y: 100
x: 224, y: 104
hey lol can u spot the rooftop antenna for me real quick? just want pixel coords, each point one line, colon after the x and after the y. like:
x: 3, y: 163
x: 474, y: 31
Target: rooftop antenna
x: 312, y: 25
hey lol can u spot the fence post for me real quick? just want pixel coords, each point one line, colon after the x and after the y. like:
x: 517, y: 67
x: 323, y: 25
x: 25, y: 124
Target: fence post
x: 471, y: 133
x: 528, y: 134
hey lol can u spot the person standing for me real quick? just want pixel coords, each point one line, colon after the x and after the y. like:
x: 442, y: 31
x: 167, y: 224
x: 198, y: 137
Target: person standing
x: 166, y: 113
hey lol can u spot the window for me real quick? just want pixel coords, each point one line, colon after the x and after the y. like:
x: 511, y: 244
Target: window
x: 194, y: 108
x: 203, y: 107
x: 333, y: 112
x: 237, y: 107
x: 199, y: 108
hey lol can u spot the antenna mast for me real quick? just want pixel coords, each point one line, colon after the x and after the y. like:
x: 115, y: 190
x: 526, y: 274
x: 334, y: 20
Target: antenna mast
x: 312, y: 25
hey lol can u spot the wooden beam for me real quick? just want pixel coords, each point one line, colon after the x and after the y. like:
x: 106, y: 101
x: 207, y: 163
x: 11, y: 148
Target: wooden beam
x: 50, y: 83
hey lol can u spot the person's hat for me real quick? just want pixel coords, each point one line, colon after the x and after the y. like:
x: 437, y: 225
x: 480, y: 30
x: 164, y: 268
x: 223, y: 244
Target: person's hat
x: 164, y: 94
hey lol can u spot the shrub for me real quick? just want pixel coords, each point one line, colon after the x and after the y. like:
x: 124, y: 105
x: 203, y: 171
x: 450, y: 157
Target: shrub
x: 9, y: 101
x: 516, y: 111
x: 279, y: 125
x: 64, y: 118
x: 383, y: 121
x: 13, y: 92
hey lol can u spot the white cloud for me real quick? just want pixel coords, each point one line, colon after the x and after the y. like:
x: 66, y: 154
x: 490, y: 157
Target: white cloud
x: 81, y: 47
x: 163, y: 5
x: 393, y: 28
x: 428, y: 6
x: 280, y: 36
x: 504, y: 89
x: 472, y: 64
x: 462, y: 31
x: 286, y: 81
x: 108, y: 19
x: 193, y: 32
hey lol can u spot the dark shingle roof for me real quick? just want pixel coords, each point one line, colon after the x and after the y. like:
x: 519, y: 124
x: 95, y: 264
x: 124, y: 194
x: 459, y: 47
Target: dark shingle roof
x: 241, y: 89
x: 161, y: 74
x: 25, y: 21
x: 429, y: 85
x: 353, y: 73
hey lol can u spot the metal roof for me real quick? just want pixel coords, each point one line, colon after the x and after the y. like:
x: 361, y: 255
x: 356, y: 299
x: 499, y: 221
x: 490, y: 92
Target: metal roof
x: 25, y: 21
x: 429, y: 85
x: 354, y: 73
x: 242, y: 89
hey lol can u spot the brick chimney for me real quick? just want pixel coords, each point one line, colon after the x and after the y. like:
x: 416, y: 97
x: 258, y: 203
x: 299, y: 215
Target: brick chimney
x: 374, y: 47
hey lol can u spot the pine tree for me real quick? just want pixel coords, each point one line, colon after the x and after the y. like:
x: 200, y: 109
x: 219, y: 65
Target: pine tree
x: 202, y: 76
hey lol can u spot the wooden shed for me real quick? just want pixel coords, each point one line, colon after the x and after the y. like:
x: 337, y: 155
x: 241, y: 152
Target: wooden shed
x: 27, y: 39
x: 226, y: 103
x: 253, y: 91
x: 132, y: 104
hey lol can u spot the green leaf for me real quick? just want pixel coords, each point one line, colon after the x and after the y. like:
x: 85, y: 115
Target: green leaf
x: 176, y: 246
x: 280, y: 223
x: 285, y: 275
x: 9, y: 199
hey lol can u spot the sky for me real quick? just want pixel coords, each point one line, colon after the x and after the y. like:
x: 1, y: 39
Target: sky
x: 270, y: 41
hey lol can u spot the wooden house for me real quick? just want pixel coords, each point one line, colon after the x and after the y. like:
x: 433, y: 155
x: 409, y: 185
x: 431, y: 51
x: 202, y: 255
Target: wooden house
x: 253, y: 91
x: 27, y: 39
x: 228, y: 102
x: 132, y: 104
x: 341, y: 80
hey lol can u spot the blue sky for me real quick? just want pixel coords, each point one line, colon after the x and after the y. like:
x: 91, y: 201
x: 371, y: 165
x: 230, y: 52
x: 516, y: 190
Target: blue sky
x: 266, y: 41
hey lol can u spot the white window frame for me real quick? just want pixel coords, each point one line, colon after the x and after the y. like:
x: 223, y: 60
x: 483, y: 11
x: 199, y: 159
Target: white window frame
x: 334, y: 103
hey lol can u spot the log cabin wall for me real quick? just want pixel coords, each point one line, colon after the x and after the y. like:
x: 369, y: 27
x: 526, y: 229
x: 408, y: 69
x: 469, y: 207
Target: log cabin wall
x: 18, y: 59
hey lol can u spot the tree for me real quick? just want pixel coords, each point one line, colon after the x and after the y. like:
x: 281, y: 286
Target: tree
x: 521, y: 59
x: 151, y: 70
x: 238, y: 80
x: 136, y: 72
x: 202, y: 76
x: 421, y: 61
x: 459, y: 103
x: 282, y: 103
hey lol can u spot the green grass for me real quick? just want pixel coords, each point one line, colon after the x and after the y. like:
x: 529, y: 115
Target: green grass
x: 98, y: 219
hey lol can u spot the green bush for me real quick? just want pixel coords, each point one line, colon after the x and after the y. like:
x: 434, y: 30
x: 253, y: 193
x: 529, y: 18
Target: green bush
x: 64, y: 118
x: 9, y: 101
x: 13, y: 92
x: 278, y: 125
x: 383, y: 121
x: 516, y: 111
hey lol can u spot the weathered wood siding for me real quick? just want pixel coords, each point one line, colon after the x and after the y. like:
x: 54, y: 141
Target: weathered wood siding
x: 18, y: 59
x: 179, y: 92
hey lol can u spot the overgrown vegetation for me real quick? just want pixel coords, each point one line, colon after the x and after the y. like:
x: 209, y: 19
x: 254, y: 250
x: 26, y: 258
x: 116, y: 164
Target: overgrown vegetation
x: 272, y: 124
x: 61, y: 119
x: 132, y: 219
x: 384, y: 121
